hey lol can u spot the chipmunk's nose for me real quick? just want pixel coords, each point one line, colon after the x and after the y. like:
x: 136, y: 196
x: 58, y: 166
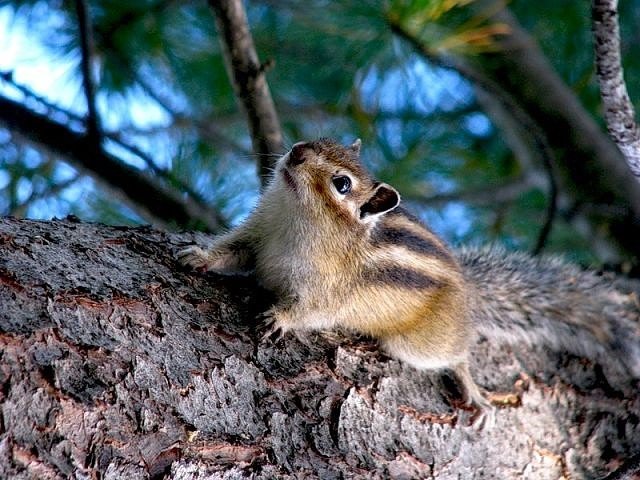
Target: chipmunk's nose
x: 296, y: 156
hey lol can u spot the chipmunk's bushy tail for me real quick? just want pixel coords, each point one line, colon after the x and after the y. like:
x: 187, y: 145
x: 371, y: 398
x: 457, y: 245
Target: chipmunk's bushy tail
x: 547, y: 301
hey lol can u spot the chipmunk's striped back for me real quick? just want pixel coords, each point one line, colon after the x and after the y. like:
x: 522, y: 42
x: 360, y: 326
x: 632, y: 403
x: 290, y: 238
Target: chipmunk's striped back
x: 337, y: 249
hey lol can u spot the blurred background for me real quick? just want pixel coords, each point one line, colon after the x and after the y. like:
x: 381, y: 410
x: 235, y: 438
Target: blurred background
x: 485, y: 115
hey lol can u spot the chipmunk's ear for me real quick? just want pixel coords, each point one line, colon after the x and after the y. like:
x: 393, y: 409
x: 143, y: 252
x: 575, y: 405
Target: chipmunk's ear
x: 355, y: 146
x: 384, y: 199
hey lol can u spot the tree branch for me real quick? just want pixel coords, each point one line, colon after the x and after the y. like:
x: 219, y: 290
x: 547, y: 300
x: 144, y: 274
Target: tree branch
x: 159, y: 202
x: 151, y: 371
x: 516, y: 111
x: 7, y: 76
x: 249, y: 82
x: 114, y: 137
x: 619, y: 112
x: 519, y: 139
x: 591, y: 167
x: 86, y: 47
x: 484, y: 196
x: 547, y: 155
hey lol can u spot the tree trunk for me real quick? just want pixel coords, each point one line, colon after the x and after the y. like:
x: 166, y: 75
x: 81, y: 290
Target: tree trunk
x: 117, y: 363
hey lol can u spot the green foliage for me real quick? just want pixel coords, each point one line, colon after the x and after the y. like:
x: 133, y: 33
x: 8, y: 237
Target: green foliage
x: 564, y: 34
x: 445, y: 26
x: 339, y: 71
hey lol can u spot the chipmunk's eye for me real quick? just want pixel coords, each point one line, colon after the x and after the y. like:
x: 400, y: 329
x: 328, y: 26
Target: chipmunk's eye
x: 342, y: 184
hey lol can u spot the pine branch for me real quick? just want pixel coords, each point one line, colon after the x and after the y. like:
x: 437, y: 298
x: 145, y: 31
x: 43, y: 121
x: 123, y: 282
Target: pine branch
x: 88, y: 85
x: 163, y: 204
x: 518, y: 113
x: 114, y: 137
x: 591, y: 167
x: 484, y: 196
x: 249, y: 82
x: 619, y: 111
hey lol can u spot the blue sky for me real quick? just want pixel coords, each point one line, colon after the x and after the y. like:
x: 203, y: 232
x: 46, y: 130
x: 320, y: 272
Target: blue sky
x: 54, y: 77
x: 31, y: 65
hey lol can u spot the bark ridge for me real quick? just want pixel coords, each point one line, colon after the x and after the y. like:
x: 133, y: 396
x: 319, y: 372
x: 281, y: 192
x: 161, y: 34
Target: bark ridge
x: 117, y: 363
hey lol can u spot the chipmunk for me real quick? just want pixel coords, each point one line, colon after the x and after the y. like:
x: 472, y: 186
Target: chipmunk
x: 339, y: 250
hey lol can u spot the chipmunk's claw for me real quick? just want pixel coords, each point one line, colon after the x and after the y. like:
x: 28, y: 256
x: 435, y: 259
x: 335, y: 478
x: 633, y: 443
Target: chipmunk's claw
x: 194, y: 257
x: 483, y: 419
x: 274, y: 330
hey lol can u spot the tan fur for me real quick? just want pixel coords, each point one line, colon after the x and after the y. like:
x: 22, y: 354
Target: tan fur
x: 357, y: 262
x: 382, y: 274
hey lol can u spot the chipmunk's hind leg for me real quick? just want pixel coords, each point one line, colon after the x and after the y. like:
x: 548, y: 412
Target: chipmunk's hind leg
x: 475, y: 398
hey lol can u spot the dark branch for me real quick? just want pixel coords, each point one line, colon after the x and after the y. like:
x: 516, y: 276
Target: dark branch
x: 591, y: 166
x: 548, y: 158
x: 249, y: 81
x: 7, y: 76
x: 114, y: 137
x: 490, y: 195
x: 88, y: 85
x: 619, y: 112
x: 160, y: 172
x: 511, y: 105
x: 156, y: 200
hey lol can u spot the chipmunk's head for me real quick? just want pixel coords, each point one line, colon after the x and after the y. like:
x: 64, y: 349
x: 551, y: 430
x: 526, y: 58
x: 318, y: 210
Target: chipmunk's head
x: 328, y: 181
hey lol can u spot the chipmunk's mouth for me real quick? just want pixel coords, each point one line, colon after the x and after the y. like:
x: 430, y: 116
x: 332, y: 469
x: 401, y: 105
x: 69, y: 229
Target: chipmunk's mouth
x: 289, y: 179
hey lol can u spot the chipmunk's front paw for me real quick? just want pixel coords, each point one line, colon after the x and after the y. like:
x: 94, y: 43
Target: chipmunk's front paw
x: 274, y: 324
x: 273, y: 332
x: 194, y: 257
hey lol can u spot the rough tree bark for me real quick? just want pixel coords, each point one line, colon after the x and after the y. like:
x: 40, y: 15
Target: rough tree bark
x: 117, y: 363
x: 619, y: 111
